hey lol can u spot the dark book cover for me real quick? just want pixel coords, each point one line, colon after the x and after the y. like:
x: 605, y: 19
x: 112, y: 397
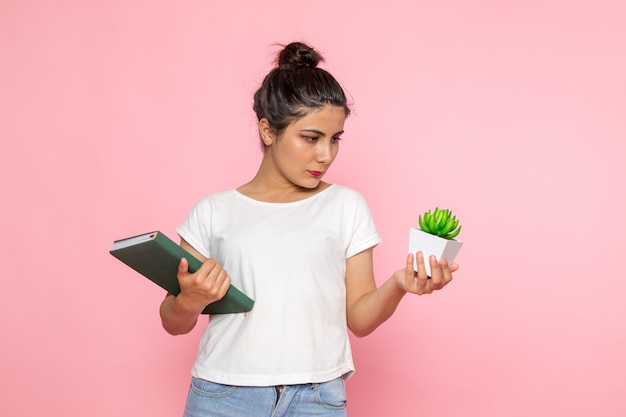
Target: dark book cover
x: 156, y: 257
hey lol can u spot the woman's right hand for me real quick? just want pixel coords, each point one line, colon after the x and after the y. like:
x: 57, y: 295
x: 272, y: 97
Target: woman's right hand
x: 205, y: 286
x: 179, y: 314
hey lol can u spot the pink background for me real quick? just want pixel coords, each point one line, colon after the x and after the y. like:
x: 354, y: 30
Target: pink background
x: 117, y: 116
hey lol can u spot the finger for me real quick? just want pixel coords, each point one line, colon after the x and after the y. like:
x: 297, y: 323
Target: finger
x: 409, y: 264
x: 410, y: 275
x: 447, y: 273
x: 436, y: 274
x: 454, y: 267
x: 218, y: 287
x: 215, y: 275
x: 225, y: 285
x: 206, y: 267
x: 422, y: 278
x: 183, y: 269
x: 216, y: 284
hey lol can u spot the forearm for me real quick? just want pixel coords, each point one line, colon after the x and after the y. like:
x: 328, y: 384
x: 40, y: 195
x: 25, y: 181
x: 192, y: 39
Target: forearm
x: 374, y: 308
x: 176, y: 317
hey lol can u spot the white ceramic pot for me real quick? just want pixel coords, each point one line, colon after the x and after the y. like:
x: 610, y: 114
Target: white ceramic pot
x: 432, y: 245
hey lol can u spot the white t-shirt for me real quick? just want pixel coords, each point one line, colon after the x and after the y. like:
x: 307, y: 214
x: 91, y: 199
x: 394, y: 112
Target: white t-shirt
x: 291, y: 259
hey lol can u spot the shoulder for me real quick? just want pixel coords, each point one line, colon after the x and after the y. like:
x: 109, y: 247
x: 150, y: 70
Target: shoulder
x: 205, y: 210
x: 214, y: 201
x: 337, y: 189
x: 345, y: 194
x: 217, y: 197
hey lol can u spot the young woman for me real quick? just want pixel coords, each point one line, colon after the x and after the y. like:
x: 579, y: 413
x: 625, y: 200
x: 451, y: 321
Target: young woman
x: 301, y: 248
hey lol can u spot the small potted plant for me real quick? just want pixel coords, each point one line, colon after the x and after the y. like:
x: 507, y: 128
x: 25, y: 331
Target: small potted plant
x: 435, y: 237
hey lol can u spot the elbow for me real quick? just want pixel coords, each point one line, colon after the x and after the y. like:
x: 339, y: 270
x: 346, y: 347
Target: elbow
x: 361, y: 331
x: 175, y: 327
x: 175, y: 330
x: 362, y: 325
x: 169, y: 330
x: 172, y: 323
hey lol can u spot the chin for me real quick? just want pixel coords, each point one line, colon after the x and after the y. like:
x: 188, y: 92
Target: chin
x: 310, y: 185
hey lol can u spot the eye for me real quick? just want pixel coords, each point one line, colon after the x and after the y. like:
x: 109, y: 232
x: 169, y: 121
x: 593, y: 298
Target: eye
x: 336, y: 139
x: 310, y: 138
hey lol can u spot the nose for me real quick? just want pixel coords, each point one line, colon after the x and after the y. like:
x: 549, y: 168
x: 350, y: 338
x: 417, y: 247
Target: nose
x: 324, y: 152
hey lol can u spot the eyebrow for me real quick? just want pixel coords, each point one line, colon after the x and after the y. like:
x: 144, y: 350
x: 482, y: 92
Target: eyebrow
x: 319, y: 132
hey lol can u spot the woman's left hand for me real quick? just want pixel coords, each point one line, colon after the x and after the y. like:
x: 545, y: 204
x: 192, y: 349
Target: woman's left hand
x: 418, y: 282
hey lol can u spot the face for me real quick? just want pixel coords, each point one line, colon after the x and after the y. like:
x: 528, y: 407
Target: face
x: 307, y: 147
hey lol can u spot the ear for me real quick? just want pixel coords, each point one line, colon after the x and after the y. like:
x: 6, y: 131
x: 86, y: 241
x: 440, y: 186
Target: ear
x: 268, y: 136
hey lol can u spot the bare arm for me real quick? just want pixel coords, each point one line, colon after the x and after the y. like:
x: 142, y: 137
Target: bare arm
x: 368, y: 307
x: 208, y: 284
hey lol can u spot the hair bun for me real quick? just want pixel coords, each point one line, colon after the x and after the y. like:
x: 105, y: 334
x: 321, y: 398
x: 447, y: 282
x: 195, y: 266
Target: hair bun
x: 298, y: 55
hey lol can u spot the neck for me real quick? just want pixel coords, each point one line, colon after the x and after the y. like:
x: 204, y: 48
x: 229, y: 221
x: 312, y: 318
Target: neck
x: 270, y: 187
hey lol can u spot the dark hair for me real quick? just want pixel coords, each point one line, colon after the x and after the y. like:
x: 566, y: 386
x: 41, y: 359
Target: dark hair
x: 295, y: 87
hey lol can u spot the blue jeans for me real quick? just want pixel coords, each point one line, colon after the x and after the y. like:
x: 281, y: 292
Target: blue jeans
x: 208, y: 399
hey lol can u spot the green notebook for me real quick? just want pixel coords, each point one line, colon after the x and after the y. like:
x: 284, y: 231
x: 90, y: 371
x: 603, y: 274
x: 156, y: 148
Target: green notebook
x: 156, y: 257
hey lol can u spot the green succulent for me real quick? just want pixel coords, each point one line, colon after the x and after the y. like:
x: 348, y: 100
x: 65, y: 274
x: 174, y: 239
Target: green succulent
x: 440, y: 223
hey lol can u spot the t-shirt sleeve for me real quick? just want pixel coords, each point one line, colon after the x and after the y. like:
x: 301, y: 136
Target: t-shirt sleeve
x: 364, y: 233
x: 196, y: 228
